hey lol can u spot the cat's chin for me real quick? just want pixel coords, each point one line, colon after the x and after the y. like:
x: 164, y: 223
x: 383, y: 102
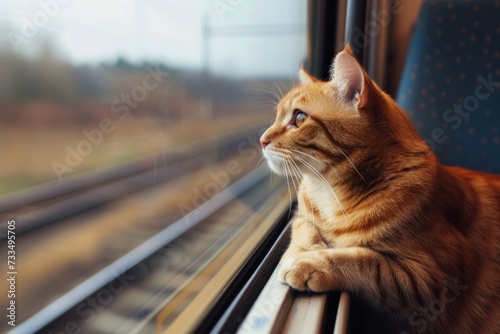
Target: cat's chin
x: 276, y: 168
x: 276, y: 164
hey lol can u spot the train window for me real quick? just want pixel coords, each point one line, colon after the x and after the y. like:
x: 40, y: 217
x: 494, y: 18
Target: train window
x: 130, y: 170
x: 133, y: 193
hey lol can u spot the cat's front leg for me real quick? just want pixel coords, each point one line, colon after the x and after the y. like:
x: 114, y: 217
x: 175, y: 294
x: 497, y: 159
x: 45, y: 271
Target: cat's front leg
x: 304, y: 238
x: 362, y: 270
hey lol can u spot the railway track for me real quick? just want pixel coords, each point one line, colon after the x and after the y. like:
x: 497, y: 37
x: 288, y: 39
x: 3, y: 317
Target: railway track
x: 77, y: 232
x: 52, y: 202
x: 184, y: 270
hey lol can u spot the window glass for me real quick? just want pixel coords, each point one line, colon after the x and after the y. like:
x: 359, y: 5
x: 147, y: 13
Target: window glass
x: 95, y: 91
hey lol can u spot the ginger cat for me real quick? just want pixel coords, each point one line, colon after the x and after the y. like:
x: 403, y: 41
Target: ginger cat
x: 378, y: 215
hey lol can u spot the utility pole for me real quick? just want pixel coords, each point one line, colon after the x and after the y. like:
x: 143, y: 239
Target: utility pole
x: 206, y: 107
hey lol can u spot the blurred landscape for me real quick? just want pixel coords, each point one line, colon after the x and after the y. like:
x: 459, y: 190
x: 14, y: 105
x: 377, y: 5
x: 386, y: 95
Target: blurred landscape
x: 118, y: 119
x: 58, y: 119
x: 89, y: 89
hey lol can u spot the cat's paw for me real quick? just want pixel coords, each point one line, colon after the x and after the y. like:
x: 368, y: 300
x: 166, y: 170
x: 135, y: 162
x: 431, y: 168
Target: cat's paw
x: 307, y: 272
x: 285, y: 266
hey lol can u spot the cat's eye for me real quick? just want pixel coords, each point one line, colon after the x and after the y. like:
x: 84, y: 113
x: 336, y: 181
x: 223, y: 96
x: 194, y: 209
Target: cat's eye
x: 299, y: 119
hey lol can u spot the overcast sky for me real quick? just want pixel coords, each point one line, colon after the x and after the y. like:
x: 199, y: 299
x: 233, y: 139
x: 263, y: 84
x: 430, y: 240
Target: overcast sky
x: 170, y: 31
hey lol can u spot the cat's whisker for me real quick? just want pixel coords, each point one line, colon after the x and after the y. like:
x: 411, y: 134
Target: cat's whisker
x: 357, y: 171
x: 263, y: 104
x: 262, y: 160
x: 289, y: 190
x: 291, y: 172
x: 267, y: 90
x: 315, y: 159
x: 323, y: 179
x: 272, y: 100
x: 268, y: 86
x: 287, y: 87
x: 298, y: 173
x: 292, y: 79
x: 263, y: 101
x: 266, y: 99
x: 281, y: 92
x: 299, y: 177
x: 295, y: 178
x: 323, y: 220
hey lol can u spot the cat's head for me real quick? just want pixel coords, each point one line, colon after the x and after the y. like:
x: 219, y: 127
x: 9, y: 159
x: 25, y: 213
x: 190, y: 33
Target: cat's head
x: 338, y: 123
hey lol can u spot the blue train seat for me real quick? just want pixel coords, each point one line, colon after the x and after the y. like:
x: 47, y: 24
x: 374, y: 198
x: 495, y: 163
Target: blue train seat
x: 450, y: 85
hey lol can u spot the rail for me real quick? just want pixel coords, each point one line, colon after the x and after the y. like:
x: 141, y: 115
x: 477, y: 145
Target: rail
x: 175, y: 231
x: 54, y: 201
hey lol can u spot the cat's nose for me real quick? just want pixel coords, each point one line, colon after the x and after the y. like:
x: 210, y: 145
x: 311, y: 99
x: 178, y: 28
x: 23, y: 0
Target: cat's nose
x: 264, y: 141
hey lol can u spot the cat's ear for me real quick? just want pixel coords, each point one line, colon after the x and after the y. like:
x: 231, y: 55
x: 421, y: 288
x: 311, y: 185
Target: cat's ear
x: 348, y: 76
x: 306, y: 78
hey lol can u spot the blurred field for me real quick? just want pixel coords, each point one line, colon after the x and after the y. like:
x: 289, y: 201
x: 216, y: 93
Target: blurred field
x: 29, y: 151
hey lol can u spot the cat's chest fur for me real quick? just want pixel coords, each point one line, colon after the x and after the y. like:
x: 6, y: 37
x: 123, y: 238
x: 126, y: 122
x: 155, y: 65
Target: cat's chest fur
x: 322, y: 197
x: 324, y: 208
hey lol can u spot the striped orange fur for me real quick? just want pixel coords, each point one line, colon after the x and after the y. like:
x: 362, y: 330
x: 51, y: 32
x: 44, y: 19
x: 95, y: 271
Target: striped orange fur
x: 377, y: 213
